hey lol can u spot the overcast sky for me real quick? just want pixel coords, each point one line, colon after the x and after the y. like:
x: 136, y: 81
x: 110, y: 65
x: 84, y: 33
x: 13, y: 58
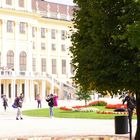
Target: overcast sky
x: 67, y: 2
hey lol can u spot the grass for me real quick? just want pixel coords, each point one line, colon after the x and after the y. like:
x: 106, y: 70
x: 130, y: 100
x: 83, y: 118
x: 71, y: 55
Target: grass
x: 71, y: 114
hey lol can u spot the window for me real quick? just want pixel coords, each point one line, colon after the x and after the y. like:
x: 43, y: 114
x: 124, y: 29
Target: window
x: 43, y: 46
x: 21, y: 3
x: 10, y: 26
x: 22, y: 61
x: 63, y: 66
x: 63, y: 34
x: 63, y: 47
x: 53, y: 34
x: 9, y: 2
x: 22, y: 27
x: 34, y: 64
x: 42, y: 32
x: 33, y: 31
x: 53, y: 66
x: 10, y: 59
x: 43, y: 65
x: 53, y: 47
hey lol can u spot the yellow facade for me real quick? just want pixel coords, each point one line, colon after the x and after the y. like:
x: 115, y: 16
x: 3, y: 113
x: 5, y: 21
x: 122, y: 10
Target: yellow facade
x: 34, y: 51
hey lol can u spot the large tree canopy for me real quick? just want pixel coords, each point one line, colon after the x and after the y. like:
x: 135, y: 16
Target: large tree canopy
x: 106, y: 46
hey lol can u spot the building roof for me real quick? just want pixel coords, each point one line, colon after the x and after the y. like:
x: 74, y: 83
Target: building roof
x: 46, y: 6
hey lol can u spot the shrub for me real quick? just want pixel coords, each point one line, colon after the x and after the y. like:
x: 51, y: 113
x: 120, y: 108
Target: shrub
x: 98, y: 103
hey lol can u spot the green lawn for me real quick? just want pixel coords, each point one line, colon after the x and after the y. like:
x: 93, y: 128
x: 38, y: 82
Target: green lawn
x: 70, y: 114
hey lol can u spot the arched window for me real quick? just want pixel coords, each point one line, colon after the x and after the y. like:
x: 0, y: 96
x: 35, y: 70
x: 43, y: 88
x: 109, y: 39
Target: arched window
x: 22, y: 61
x: 10, y: 59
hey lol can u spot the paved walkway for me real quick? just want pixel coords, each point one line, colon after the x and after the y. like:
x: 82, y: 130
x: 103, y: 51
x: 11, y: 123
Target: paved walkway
x: 55, y: 127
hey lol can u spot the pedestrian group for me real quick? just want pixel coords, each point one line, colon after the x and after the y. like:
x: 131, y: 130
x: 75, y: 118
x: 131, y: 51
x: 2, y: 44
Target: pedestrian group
x: 18, y: 103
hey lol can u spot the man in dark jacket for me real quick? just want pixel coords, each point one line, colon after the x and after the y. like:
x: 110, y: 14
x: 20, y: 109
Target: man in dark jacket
x: 50, y: 101
x: 131, y: 105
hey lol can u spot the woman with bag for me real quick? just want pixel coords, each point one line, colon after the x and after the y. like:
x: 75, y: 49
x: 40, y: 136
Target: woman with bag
x: 131, y: 105
x: 18, y: 103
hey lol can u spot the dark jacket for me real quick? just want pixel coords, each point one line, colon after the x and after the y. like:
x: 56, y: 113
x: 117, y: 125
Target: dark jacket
x: 50, y: 101
x: 18, y: 101
x: 5, y: 101
x: 131, y: 102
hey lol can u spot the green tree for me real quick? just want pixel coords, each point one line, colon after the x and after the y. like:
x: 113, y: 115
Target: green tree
x: 83, y: 95
x: 105, y: 49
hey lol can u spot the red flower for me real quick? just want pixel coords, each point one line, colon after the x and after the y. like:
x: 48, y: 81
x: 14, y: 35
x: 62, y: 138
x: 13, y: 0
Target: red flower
x: 114, y: 106
x: 65, y: 108
x: 77, y: 107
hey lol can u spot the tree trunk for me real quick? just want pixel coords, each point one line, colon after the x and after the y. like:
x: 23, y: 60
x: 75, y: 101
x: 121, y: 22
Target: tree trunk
x: 137, y: 136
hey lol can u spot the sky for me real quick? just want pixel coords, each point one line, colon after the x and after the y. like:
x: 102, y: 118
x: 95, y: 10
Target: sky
x: 67, y: 2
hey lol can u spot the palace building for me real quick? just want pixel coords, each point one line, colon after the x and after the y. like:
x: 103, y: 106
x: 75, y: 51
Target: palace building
x: 34, y: 49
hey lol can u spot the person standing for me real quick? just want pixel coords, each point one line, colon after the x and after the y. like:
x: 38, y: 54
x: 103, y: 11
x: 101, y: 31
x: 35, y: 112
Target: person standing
x: 18, y: 102
x: 38, y: 99
x: 55, y: 100
x: 131, y: 105
x: 5, y: 102
x: 50, y: 100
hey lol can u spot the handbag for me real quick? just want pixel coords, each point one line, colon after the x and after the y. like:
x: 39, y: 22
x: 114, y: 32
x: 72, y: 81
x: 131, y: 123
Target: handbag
x: 14, y: 106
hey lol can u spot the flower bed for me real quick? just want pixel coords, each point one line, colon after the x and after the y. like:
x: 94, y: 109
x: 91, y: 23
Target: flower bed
x: 66, y: 108
x: 84, y: 106
x: 110, y: 112
x: 115, y: 106
x: 88, y: 109
x: 80, y: 109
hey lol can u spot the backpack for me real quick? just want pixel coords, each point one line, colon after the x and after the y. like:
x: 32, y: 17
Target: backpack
x: 14, y: 105
x: 50, y: 101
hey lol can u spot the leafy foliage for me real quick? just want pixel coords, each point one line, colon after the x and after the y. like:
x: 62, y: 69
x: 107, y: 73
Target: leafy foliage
x: 104, y: 54
x: 105, y: 47
x: 83, y: 95
x: 98, y: 103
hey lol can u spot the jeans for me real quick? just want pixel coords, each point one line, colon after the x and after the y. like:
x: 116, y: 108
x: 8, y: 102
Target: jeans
x: 51, y: 111
x: 19, y: 112
x: 39, y: 104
